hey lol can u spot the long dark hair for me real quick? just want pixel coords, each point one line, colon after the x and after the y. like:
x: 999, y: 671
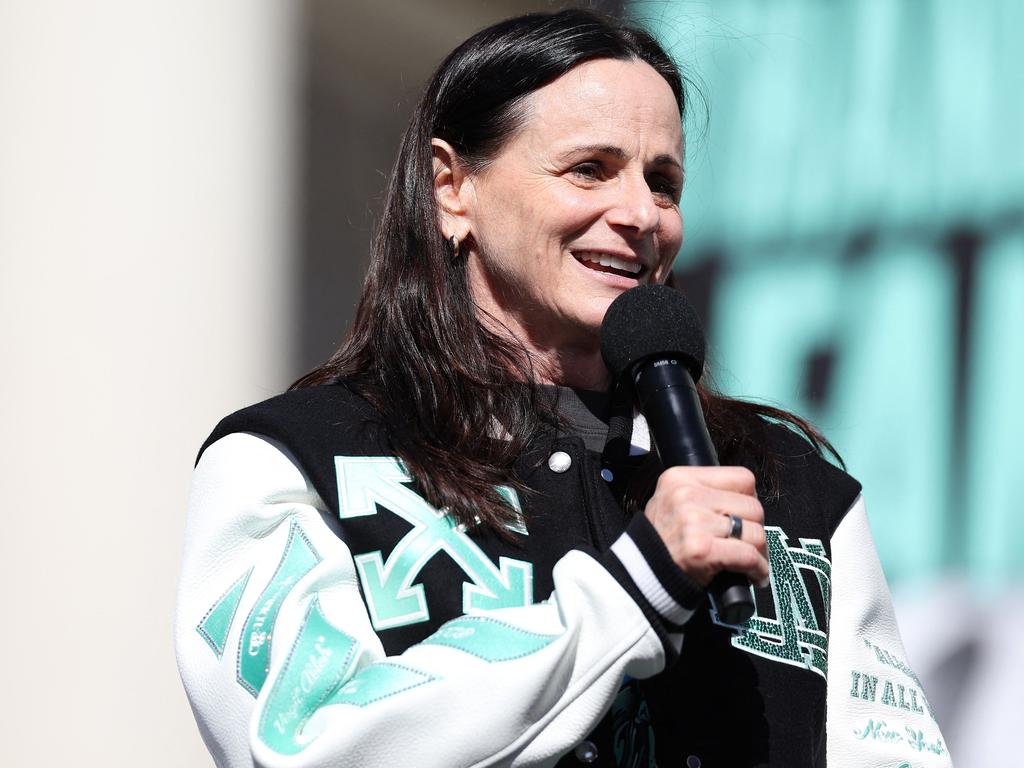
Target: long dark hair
x: 459, y: 400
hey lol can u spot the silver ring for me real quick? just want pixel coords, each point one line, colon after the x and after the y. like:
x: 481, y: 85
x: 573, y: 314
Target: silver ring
x: 736, y: 527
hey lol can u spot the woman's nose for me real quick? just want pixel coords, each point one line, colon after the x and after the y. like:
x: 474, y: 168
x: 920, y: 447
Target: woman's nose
x: 634, y: 207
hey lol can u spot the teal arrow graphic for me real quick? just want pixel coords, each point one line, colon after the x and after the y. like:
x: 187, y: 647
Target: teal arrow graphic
x: 392, y: 597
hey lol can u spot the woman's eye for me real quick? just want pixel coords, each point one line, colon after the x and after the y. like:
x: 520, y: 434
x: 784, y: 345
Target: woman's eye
x: 587, y: 170
x: 665, y: 187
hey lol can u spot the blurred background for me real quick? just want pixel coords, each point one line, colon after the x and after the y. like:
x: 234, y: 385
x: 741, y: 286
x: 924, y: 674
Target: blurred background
x: 187, y: 191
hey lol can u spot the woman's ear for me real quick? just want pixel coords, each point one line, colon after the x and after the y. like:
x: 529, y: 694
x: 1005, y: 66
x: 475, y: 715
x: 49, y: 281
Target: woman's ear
x: 452, y: 190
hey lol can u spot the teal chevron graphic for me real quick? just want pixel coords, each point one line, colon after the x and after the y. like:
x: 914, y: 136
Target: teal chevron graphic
x: 298, y: 559
x: 378, y: 682
x: 216, y: 624
x: 320, y: 660
x: 489, y: 639
x: 392, y: 597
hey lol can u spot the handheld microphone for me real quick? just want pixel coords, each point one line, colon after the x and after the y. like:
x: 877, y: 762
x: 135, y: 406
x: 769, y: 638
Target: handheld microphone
x: 652, y: 336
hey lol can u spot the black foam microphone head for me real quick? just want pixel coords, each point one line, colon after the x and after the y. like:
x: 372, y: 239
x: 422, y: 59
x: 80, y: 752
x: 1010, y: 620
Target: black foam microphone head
x: 651, y: 320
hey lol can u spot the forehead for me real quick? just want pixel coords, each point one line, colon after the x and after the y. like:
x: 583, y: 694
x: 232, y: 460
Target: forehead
x: 606, y: 99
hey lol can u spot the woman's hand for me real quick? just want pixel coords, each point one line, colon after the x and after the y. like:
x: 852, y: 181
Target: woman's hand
x: 691, y: 509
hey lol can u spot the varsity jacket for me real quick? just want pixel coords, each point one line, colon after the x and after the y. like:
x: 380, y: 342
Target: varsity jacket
x: 329, y: 616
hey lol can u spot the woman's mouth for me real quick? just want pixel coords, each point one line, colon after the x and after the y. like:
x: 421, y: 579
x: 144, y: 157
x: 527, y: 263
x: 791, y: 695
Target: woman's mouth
x: 603, y: 262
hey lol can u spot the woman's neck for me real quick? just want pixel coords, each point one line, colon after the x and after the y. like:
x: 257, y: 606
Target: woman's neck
x: 560, y: 359
x: 560, y: 353
x: 580, y: 369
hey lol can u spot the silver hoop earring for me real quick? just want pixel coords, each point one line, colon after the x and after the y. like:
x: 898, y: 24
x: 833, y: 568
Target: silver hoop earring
x: 455, y: 246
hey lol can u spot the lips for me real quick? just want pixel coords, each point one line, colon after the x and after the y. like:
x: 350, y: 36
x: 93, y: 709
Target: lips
x: 605, y: 262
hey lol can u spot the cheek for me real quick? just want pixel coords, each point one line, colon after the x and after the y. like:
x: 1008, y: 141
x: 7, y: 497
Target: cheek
x: 520, y: 216
x: 532, y: 222
x: 563, y: 213
x: 499, y: 232
x: 670, y: 240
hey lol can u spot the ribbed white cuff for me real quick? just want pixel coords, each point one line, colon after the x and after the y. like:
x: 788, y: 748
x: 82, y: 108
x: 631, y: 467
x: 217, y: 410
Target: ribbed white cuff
x: 628, y: 553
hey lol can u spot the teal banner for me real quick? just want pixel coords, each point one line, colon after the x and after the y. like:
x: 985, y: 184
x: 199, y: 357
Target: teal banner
x: 855, y: 240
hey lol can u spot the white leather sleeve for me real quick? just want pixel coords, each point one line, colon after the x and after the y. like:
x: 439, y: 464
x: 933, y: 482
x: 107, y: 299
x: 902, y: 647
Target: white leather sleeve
x: 515, y: 686
x: 877, y: 712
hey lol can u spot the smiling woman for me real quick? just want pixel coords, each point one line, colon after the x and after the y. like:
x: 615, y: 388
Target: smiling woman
x: 579, y: 205
x: 451, y: 544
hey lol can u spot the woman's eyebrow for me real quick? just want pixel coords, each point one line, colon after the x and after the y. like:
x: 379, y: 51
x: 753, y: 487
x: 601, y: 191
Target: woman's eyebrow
x: 600, y: 149
x: 667, y: 160
x: 616, y: 152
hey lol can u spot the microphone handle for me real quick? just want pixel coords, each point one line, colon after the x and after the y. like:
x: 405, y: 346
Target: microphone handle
x: 669, y: 401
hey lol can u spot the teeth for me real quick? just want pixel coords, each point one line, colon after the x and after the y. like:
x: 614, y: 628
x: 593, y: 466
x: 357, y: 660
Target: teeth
x: 610, y: 261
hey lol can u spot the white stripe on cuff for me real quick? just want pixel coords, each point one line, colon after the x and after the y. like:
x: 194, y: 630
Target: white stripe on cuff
x: 643, y: 576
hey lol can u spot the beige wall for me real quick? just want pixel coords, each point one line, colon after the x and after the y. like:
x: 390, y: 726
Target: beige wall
x: 176, y: 184
x: 145, y: 171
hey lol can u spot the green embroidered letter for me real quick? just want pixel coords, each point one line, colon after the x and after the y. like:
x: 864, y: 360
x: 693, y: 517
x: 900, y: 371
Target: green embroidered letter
x: 794, y: 637
x: 870, y: 685
x: 888, y: 696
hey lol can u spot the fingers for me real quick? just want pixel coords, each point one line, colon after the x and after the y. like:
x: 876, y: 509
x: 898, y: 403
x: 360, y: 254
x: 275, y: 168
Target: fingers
x: 735, y: 479
x: 751, y: 531
x: 730, y: 503
x: 738, y: 556
x: 683, y: 493
x: 716, y: 521
x: 703, y: 555
x: 692, y: 510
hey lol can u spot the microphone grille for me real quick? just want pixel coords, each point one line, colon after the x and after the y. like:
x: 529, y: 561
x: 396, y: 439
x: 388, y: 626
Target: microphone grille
x: 652, y: 320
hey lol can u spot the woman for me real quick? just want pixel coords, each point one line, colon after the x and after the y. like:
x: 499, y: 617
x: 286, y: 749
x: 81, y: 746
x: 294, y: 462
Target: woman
x: 419, y: 555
